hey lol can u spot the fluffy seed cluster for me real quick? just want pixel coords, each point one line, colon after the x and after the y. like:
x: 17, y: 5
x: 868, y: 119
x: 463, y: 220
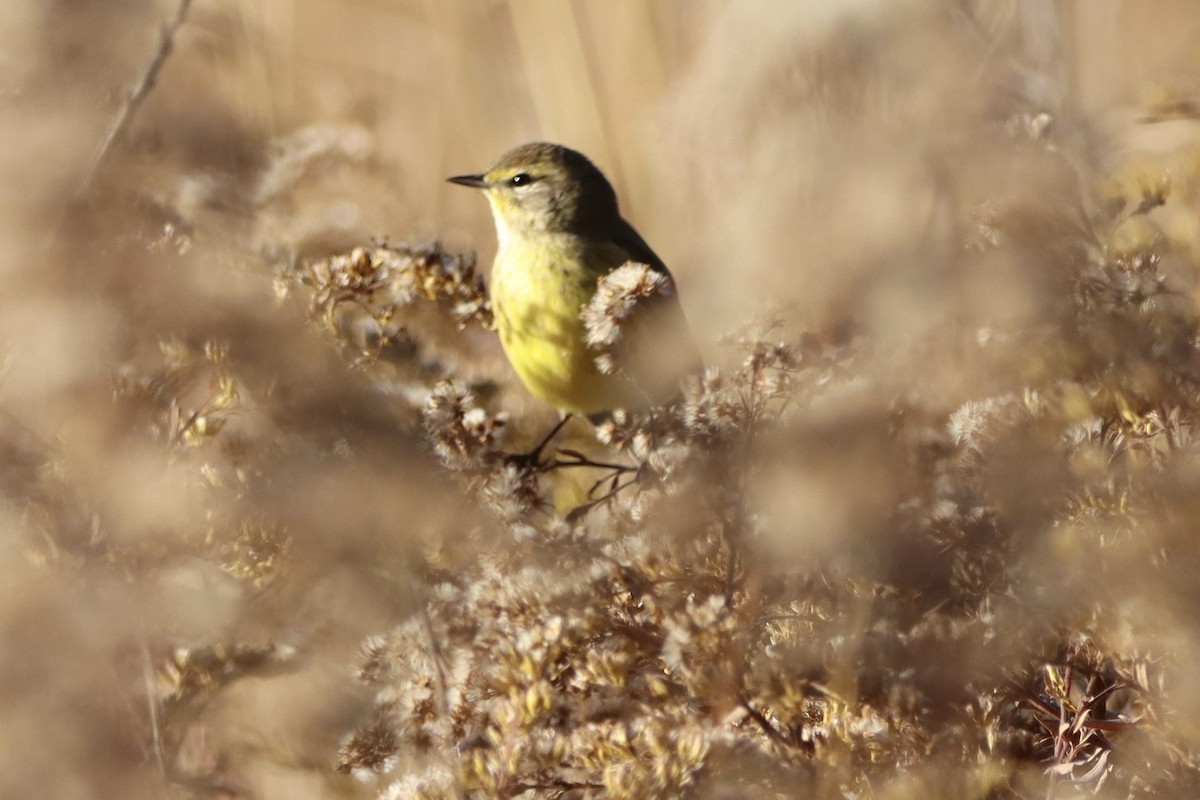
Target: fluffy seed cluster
x: 664, y: 637
x: 929, y: 531
x: 366, y: 298
x: 618, y: 295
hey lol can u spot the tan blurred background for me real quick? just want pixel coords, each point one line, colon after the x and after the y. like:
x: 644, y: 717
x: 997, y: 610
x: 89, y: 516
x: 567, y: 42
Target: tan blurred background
x: 803, y: 155
x: 710, y: 117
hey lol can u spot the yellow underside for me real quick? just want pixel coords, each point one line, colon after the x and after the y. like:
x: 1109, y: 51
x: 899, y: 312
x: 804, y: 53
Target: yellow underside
x: 537, y: 295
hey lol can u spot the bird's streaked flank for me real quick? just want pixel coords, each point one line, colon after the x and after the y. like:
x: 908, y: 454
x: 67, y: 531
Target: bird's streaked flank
x: 560, y: 232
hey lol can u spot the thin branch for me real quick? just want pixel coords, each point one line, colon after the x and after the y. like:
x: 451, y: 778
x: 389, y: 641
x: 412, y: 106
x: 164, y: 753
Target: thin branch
x: 137, y: 96
x: 578, y: 459
x: 443, y: 694
x: 765, y: 725
x: 579, y: 511
x: 152, y: 706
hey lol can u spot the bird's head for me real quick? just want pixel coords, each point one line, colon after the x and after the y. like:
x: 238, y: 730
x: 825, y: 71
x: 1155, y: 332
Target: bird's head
x: 542, y: 187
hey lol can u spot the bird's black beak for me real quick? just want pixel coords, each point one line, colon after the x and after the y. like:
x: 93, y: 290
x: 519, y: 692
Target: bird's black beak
x: 474, y: 181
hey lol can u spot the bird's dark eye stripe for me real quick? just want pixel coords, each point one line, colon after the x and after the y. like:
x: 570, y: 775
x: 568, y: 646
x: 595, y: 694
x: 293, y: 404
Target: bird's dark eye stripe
x: 520, y: 179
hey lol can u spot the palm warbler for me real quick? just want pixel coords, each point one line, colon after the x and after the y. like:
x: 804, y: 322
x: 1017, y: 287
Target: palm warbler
x: 559, y: 232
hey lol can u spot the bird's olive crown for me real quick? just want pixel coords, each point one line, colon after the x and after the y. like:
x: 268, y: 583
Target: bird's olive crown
x: 547, y: 187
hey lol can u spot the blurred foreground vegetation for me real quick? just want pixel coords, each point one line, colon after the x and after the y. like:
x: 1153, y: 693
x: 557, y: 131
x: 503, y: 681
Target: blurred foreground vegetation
x: 925, y: 528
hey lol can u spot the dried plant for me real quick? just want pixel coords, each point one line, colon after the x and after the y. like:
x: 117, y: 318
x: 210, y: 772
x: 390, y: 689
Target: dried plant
x: 924, y: 527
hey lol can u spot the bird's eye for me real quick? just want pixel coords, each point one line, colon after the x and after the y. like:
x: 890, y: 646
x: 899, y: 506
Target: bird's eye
x: 520, y: 179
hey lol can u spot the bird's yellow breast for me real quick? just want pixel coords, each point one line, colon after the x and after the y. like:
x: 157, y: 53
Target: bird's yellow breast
x: 539, y: 286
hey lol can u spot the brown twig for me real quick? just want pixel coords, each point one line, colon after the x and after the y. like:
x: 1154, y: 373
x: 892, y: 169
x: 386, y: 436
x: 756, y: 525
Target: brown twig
x: 136, y: 97
x: 443, y: 693
x: 765, y: 725
x: 582, y: 509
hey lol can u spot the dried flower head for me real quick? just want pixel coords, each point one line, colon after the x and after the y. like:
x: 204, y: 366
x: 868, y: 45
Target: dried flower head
x: 618, y: 295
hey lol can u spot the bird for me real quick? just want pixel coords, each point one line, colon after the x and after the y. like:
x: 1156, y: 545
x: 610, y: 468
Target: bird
x: 560, y: 231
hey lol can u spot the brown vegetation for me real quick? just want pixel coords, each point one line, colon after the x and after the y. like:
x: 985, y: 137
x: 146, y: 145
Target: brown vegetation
x: 924, y: 528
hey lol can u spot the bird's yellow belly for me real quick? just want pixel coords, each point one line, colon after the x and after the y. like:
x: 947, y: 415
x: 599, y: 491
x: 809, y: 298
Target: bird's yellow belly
x: 537, y: 312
